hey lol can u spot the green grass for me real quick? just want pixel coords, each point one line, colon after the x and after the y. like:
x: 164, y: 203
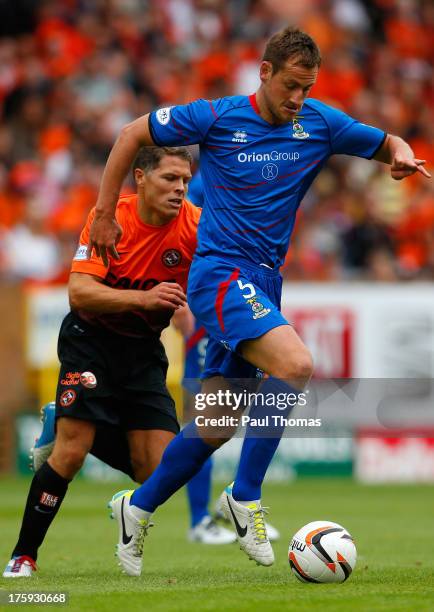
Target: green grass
x: 392, y: 525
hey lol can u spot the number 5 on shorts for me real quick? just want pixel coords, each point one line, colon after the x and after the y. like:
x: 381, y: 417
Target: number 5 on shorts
x: 248, y: 286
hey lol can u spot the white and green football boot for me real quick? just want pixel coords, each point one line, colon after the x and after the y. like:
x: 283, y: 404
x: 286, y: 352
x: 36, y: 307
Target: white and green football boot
x: 132, y: 532
x: 207, y: 531
x: 247, y: 519
x: 272, y: 532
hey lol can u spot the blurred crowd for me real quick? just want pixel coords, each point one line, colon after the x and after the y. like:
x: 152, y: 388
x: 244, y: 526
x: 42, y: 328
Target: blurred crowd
x: 72, y: 72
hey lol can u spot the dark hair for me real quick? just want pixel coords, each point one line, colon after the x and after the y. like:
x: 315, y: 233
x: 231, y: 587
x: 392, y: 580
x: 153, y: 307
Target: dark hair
x: 148, y: 158
x: 292, y: 42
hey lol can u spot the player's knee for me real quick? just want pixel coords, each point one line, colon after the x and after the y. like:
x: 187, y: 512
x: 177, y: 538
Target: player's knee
x: 75, y: 456
x: 216, y: 435
x: 298, y: 368
x: 303, y: 367
x: 68, y: 460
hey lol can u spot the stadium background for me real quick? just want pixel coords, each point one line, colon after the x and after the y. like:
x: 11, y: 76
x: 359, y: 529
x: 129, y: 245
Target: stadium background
x: 358, y: 284
x: 360, y: 270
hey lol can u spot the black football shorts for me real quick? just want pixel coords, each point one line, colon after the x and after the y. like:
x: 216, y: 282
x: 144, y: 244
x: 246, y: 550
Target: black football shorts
x: 111, y: 379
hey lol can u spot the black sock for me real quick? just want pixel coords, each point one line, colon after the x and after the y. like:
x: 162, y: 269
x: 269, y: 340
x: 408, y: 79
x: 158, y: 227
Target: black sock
x: 46, y: 494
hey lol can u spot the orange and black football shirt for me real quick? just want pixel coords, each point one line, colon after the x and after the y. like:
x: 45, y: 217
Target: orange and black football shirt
x: 149, y: 255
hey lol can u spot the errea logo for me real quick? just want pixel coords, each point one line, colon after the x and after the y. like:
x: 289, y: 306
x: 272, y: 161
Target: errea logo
x: 240, y: 136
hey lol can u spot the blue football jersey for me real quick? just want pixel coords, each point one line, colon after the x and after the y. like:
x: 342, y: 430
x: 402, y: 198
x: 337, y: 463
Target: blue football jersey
x: 195, y: 190
x: 255, y: 174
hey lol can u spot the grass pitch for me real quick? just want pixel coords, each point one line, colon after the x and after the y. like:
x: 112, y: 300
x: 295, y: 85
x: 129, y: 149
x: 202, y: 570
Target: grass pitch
x: 393, y: 527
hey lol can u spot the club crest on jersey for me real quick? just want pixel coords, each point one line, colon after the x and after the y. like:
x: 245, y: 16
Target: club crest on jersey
x: 258, y: 308
x: 171, y: 258
x: 240, y: 136
x: 163, y: 115
x: 298, y: 129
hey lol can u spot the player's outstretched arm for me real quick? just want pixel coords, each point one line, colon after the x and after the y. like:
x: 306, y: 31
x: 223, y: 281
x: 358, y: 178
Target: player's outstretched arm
x: 87, y: 292
x: 105, y: 232
x: 396, y: 152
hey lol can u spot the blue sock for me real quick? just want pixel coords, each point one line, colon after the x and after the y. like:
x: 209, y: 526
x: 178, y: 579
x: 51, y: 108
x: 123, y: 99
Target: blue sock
x: 260, y: 444
x: 198, y: 491
x: 182, y: 459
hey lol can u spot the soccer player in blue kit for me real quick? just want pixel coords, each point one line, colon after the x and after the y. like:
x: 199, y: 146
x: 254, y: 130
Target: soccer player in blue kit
x: 259, y: 154
x: 204, y: 528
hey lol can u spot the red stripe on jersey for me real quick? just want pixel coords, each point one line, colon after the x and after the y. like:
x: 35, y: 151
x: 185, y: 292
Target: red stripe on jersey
x: 221, y: 294
x: 314, y: 163
x: 254, y: 103
x: 195, y: 339
x: 213, y: 109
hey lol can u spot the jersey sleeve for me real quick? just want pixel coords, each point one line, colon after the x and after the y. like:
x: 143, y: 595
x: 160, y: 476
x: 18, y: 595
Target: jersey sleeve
x: 183, y: 125
x: 80, y: 263
x: 350, y: 137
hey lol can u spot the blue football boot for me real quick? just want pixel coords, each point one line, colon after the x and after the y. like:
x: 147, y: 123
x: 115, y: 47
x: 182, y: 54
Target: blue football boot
x: 45, y: 443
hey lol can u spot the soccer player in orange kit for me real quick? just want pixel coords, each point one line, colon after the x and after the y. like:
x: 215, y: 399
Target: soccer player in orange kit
x: 112, y: 379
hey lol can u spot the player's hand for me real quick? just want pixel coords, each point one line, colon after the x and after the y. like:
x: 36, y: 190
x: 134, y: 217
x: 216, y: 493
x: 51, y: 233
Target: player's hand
x: 403, y: 167
x: 105, y: 233
x: 164, y: 296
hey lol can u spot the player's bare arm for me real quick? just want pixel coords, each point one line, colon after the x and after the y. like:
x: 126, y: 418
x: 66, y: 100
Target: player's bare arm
x: 88, y: 292
x: 183, y: 321
x: 396, y: 152
x: 105, y: 232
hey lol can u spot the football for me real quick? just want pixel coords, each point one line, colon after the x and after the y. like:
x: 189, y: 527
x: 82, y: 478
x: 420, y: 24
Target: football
x: 321, y: 552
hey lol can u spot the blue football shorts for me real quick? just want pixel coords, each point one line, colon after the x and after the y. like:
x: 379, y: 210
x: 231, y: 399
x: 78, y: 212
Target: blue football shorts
x: 234, y: 302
